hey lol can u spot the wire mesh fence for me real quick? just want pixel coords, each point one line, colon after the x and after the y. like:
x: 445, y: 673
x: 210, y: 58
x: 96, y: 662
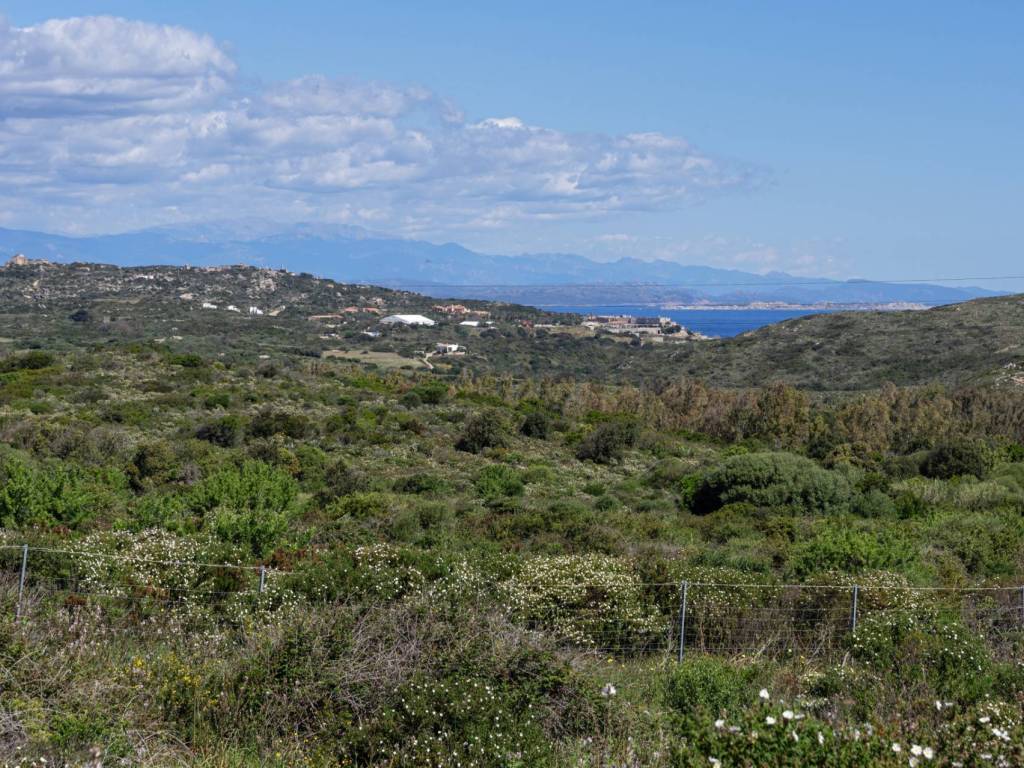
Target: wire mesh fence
x: 668, y: 619
x: 38, y: 578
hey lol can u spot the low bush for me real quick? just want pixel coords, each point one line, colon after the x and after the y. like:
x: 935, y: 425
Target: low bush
x: 957, y: 458
x: 226, y: 431
x: 273, y: 422
x: 924, y: 646
x: 775, y: 480
x: 705, y: 685
x: 249, y: 505
x: 594, y: 600
x: 608, y: 441
x: 483, y: 430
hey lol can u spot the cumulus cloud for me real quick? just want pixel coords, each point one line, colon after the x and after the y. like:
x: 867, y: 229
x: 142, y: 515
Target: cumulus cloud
x: 107, y: 124
x: 103, y: 65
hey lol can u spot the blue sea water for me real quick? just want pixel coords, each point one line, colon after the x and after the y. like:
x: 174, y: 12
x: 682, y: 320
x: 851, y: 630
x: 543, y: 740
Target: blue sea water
x: 712, y: 322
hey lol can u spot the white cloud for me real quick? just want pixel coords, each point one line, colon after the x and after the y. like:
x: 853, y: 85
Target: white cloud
x: 102, y: 64
x: 110, y: 124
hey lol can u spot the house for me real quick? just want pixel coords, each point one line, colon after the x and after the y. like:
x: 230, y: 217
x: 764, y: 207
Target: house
x: 451, y: 309
x: 255, y: 311
x: 407, y: 320
x: 208, y: 305
x: 470, y: 323
x: 233, y: 308
x: 446, y: 349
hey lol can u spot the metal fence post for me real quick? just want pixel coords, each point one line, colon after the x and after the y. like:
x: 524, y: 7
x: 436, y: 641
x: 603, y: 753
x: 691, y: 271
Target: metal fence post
x: 1022, y: 605
x: 21, y: 581
x: 263, y: 577
x: 682, y: 618
x: 853, y: 612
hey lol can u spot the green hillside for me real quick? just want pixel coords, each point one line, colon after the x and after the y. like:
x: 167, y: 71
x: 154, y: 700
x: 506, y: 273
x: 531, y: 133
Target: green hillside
x: 72, y: 305
x: 980, y: 340
x: 250, y: 543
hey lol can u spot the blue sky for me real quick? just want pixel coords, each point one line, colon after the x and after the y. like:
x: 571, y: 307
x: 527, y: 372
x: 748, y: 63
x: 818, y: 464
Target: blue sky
x: 879, y: 140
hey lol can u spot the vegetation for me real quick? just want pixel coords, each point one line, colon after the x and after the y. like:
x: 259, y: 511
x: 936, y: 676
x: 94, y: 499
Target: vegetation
x: 244, y: 553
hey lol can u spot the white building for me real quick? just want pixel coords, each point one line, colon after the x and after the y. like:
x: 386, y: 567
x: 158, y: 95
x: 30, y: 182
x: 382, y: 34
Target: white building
x: 407, y: 320
x: 446, y: 349
x: 255, y: 311
x: 208, y: 305
x: 233, y: 308
x: 470, y: 323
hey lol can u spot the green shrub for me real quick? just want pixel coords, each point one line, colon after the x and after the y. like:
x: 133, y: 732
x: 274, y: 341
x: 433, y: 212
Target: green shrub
x: 431, y: 392
x: 924, y: 646
x: 779, y: 480
x: 187, y: 360
x: 422, y: 483
x: 226, y: 431
x: 957, y: 458
x: 594, y: 600
x: 536, y: 424
x: 155, y: 463
x: 42, y: 495
x: 706, y: 685
x: 339, y: 480
x: 483, y: 430
x: 217, y: 400
x: 668, y: 473
x: 249, y: 505
x: 499, y: 481
x: 608, y: 441
x: 843, y: 549
x: 361, y: 506
x: 874, y: 503
x: 270, y: 422
x: 33, y: 360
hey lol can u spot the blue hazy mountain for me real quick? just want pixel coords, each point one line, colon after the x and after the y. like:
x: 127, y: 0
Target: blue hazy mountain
x: 352, y: 254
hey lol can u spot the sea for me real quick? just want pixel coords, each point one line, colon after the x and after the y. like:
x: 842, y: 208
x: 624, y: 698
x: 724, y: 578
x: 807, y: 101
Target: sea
x: 711, y: 322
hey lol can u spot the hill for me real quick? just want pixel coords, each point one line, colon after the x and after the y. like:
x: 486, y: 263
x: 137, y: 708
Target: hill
x: 74, y: 304
x: 973, y: 342
x: 266, y: 538
x: 354, y: 255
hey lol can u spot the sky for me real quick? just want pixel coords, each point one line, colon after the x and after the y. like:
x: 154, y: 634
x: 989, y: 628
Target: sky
x: 873, y: 139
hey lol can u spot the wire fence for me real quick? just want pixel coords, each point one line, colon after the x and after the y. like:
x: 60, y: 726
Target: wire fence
x: 668, y: 619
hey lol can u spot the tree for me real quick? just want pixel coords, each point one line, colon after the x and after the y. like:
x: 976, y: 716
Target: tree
x: 483, y: 430
x: 608, y: 441
x: 957, y: 458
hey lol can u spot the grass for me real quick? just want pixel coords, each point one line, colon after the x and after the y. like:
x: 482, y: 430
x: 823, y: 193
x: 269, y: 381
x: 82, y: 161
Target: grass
x: 385, y: 360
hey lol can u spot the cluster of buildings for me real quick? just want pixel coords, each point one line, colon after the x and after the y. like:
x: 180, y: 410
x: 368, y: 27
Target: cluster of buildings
x: 253, y: 310
x: 460, y: 309
x: 632, y: 324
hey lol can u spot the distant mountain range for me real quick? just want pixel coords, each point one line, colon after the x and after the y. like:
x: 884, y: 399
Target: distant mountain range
x: 356, y: 255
